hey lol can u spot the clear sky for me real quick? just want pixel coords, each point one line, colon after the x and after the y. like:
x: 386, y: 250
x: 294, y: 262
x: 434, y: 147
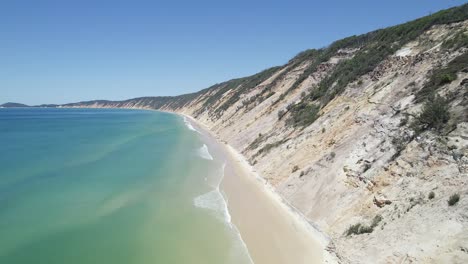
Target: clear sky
x: 66, y: 51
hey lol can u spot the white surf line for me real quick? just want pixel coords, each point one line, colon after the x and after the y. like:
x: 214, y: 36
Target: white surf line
x: 204, y: 152
x: 216, y: 201
x: 228, y: 216
x: 234, y: 227
x: 198, y: 201
x: 189, y: 125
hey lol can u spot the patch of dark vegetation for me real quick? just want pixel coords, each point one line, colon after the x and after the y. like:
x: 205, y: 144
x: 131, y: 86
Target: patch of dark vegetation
x: 374, y: 47
x: 281, y: 113
x: 304, y: 56
x: 434, y: 115
x: 360, y: 228
x: 442, y: 76
x: 400, y: 144
x: 431, y: 195
x: 294, y: 169
x: 404, y: 121
x: 238, y: 87
x: 453, y: 200
x: 269, y: 147
x: 261, y: 137
x: 303, y: 114
x: 322, y: 56
x: 377, y: 219
x: 459, y: 40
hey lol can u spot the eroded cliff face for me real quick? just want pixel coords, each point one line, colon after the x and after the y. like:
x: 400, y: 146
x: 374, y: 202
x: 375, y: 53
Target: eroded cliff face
x: 353, y: 156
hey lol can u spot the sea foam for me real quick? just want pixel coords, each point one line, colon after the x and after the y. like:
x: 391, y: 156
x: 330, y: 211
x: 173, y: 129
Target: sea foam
x: 215, y: 202
x: 204, y: 153
x: 189, y: 126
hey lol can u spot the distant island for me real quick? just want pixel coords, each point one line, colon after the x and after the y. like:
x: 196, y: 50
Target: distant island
x: 11, y: 105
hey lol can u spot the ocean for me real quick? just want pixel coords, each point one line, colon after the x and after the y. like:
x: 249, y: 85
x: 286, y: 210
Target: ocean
x: 110, y: 186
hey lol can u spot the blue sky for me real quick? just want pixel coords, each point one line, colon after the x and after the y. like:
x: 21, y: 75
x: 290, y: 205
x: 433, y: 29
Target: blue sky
x: 67, y: 51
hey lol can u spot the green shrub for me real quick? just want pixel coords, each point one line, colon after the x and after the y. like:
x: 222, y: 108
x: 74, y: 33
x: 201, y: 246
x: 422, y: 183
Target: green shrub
x: 281, y: 113
x: 257, y: 141
x: 366, y: 229
x: 442, y: 76
x: 431, y: 195
x: 447, y: 78
x: 358, y: 229
x: 295, y: 168
x: 454, y: 198
x: 400, y: 144
x: 434, y: 115
x: 303, y: 114
x: 404, y: 121
x: 353, y: 229
x: 269, y: 146
x: 377, y: 219
x: 459, y: 40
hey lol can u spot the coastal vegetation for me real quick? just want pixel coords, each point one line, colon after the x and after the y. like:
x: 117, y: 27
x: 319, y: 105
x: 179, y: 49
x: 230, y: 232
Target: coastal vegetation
x: 373, y: 47
x: 453, y: 200
x: 269, y: 147
x: 434, y: 115
x: 458, y: 41
x: 360, y: 228
x: 443, y: 76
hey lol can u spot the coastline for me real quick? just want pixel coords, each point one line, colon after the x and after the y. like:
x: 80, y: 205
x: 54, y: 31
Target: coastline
x: 295, y: 239
x: 272, y: 229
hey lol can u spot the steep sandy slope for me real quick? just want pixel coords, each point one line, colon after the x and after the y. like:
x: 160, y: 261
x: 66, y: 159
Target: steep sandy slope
x: 335, y: 168
x: 341, y: 141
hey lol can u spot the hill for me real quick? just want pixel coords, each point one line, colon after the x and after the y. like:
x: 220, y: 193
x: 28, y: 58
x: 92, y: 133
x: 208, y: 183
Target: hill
x: 9, y: 104
x: 367, y: 137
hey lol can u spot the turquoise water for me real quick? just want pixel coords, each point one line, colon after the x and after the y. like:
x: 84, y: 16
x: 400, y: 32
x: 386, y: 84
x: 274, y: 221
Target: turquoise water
x: 110, y: 186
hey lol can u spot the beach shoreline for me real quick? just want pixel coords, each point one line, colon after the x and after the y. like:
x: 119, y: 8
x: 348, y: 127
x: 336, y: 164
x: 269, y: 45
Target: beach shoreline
x: 272, y: 229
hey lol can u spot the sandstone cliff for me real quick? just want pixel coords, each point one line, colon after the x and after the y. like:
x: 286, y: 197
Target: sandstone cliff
x: 367, y: 137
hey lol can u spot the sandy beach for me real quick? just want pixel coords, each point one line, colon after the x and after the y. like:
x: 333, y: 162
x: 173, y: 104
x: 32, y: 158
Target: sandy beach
x: 273, y: 231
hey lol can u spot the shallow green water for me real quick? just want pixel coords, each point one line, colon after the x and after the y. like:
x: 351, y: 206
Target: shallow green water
x: 109, y: 186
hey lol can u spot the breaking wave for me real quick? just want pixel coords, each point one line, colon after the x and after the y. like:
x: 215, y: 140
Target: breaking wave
x: 215, y: 202
x: 204, y: 153
x: 189, y: 126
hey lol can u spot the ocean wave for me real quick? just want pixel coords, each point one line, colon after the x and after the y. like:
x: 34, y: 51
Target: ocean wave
x: 204, y: 153
x: 215, y: 202
x: 189, y: 125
